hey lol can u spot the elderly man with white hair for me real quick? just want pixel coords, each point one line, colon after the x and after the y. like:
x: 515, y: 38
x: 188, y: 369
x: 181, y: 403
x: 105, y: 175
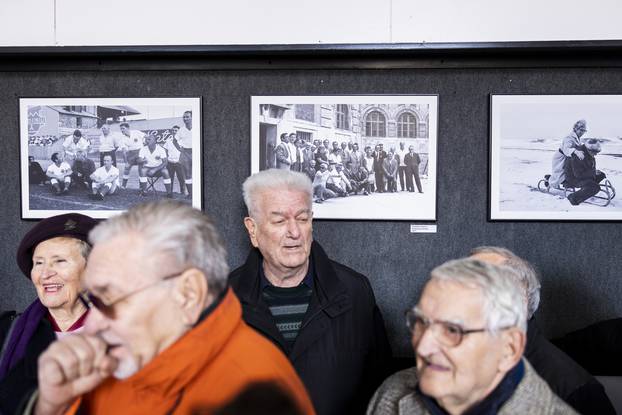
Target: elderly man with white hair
x: 165, y: 333
x: 468, y: 333
x: 566, y: 378
x: 321, y: 314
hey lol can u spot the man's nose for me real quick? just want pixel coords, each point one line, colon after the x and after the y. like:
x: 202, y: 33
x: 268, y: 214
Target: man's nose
x: 293, y: 229
x: 427, y: 343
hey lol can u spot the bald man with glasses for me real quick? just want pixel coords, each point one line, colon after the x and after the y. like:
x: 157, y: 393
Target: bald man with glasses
x: 468, y: 334
x: 165, y: 333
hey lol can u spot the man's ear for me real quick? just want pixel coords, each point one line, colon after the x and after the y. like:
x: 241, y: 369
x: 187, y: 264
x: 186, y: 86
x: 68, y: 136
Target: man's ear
x: 193, y: 294
x: 513, y: 347
x: 251, y: 228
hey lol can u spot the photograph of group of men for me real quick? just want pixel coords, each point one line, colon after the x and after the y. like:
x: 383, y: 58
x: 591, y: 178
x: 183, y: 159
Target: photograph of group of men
x: 343, y: 169
x: 370, y: 157
x: 114, y: 163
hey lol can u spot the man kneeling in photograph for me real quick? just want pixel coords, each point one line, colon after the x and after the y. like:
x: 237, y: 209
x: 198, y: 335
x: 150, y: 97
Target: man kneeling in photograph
x: 105, y: 179
x: 357, y: 178
x: 59, y: 173
x: 581, y: 172
x: 83, y: 167
x: 320, y: 191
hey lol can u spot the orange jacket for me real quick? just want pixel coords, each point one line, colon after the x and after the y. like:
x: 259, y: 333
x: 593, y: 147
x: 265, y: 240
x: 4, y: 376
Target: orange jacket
x: 205, y: 368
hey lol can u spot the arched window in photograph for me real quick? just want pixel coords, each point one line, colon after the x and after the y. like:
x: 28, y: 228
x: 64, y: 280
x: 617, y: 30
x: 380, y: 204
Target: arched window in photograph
x: 407, y: 125
x: 342, y: 117
x: 375, y: 125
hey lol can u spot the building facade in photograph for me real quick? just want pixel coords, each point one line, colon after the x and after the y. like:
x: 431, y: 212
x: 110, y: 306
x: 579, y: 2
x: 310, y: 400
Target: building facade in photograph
x: 48, y: 125
x: 365, y: 124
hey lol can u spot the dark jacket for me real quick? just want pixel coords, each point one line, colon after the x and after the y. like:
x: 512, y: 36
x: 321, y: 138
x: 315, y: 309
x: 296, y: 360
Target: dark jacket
x: 412, y: 161
x: 595, y: 347
x: 21, y: 380
x: 566, y: 378
x: 341, y: 352
x: 578, y: 172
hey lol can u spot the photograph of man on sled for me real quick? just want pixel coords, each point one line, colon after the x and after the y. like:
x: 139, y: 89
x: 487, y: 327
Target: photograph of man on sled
x: 539, y: 172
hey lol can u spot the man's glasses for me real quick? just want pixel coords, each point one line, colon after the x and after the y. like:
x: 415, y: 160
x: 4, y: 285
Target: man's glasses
x: 107, y: 309
x: 448, y: 334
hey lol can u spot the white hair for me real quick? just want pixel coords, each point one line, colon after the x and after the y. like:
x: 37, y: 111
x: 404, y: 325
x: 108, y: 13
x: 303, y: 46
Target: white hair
x: 527, y: 274
x: 274, y: 179
x: 176, y: 229
x: 503, y: 301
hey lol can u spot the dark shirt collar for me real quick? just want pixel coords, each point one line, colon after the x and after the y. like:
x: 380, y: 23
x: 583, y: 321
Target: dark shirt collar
x: 492, y: 403
x: 212, y: 306
x: 263, y: 281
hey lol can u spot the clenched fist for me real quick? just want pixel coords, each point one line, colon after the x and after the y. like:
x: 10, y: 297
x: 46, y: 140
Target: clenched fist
x: 70, y: 367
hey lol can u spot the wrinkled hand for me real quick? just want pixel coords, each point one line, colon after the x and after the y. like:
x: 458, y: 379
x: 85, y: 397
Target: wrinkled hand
x: 579, y: 154
x: 69, y: 368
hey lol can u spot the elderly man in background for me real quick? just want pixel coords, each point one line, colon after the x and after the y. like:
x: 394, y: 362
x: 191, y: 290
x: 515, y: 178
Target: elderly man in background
x: 566, y: 378
x: 52, y: 255
x: 164, y: 334
x: 322, y: 314
x: 468, y: 332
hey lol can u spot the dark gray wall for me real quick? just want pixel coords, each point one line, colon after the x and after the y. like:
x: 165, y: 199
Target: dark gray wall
x: 580, y: 262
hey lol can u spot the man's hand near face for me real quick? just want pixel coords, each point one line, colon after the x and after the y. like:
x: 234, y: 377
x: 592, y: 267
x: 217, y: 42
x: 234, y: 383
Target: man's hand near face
x: 70, y: 367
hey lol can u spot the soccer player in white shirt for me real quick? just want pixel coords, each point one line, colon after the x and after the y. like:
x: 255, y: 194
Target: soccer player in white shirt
x: 183, y: 142
x: 105, y: 179
x: 59, y: 173
x: 73, y: 144
x: 154, y: 160
x: 173, y: 165
x: 108, y: 145
x: 132, y: 142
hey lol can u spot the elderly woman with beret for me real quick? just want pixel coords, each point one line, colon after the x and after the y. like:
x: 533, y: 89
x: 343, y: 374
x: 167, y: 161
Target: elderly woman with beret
x: 52, y: 255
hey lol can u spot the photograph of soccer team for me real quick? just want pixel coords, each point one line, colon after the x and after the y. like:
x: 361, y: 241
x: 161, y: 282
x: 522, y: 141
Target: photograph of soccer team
x: 556, y: 157
x: 102, y: 155
x: 368, y: 157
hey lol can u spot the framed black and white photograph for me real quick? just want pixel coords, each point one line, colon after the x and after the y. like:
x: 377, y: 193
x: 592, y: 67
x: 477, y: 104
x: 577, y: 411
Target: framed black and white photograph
x: 99, y: 156
x: 555, y: 157
x: 368, y: 156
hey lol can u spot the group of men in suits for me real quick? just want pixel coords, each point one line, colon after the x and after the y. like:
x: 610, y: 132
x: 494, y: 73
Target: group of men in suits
x: 342, y: 169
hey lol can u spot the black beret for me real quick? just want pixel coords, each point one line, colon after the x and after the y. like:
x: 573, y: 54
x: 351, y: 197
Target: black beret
x: 72, y: 225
